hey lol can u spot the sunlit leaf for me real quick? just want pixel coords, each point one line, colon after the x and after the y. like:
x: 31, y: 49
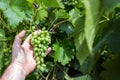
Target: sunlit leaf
x: 40, y: 15
x: 91, y: 22
x: 53, y: 3
x: 14, y: 16
x: 61, y: 14
x: 3, y: 6
x: 30, y: 1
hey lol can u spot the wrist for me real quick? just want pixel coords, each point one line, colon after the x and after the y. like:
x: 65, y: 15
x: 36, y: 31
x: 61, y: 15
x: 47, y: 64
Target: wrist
x: 13, y: 72
x: 18, y: 67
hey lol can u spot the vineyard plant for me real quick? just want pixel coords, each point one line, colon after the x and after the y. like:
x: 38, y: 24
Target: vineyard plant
x: 84, y: 36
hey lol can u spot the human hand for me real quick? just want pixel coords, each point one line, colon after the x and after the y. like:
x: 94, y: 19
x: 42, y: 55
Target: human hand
x: 22, y: 53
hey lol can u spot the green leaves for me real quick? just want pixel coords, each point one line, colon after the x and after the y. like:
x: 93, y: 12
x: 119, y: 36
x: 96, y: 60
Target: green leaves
x: 85, y: 35
x: 67, y: 27
x: 2, y: 46
x: 61, y: 14
x: 53, y: 3
x: 41, y: 14
x: 13, y: 14
x: 63, y: 52
x: 92, y: 18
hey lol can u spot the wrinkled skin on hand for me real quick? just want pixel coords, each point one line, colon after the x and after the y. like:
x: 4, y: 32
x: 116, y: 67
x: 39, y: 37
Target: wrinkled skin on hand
x: 22, y: 53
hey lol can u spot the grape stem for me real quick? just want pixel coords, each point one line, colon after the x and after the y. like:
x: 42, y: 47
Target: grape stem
x: 4, y: 24
x: 6, y: 39
x: 67, y: 76
x: 52, y: 23
x: 49, y: 73
x: 42, y: 75
x: 54, y: 26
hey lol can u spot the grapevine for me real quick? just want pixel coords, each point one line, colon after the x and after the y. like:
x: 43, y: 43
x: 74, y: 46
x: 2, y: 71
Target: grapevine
x: 84, y: 37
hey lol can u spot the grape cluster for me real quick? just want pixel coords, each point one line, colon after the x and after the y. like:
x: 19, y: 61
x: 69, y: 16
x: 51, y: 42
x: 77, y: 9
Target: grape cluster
x: 7, y: 55
x: 40, y: 44
x: 70, y: 2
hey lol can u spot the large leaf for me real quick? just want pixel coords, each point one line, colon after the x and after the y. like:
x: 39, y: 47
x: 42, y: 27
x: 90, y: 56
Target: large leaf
x: 25, y: 7
x: 91, y: 22
x: 82, y: 51
x: 41, y: 14
x: 63, y: 52
x: 2, y: 46
x: 15, y: 12
x: 12, y: 13
x: 14, y: 16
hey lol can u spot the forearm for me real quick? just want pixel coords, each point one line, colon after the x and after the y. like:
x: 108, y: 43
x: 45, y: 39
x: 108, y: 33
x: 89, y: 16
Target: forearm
x: 13, y: 72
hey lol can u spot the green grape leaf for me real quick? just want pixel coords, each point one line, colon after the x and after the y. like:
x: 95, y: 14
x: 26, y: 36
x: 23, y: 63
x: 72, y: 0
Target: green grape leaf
x: 61, y: 14
x: 53, y: 3
x: 14, y: 16
x: 91, y: 22
x: 74, y: 16
x: 16, y: 12
x: 82, y: 51
x: 67, y: 27
x: 63, y: 53
x: 41, y: 15
x: 3, y: 6
x: 112, y: 66
x: 26, y: 7
x: 2, y: 46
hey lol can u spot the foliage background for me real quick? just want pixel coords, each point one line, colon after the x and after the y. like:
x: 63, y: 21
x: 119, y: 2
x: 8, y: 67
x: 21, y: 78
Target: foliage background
x: 85, y: 36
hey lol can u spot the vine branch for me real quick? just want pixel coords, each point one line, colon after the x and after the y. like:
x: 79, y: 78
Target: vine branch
x: 57, y: 24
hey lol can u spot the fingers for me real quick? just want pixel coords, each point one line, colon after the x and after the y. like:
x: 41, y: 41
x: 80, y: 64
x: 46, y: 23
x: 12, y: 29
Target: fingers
x: 18, y: 38
x: 27, y: 40
x: 48, y: 50
x: 36, y: 32
x: 26, y: 45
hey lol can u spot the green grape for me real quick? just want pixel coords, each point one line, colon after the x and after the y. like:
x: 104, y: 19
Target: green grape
x: 40, y: 44
x: 43, y: 54
x: 7, y: 53
x: 33, y: 28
